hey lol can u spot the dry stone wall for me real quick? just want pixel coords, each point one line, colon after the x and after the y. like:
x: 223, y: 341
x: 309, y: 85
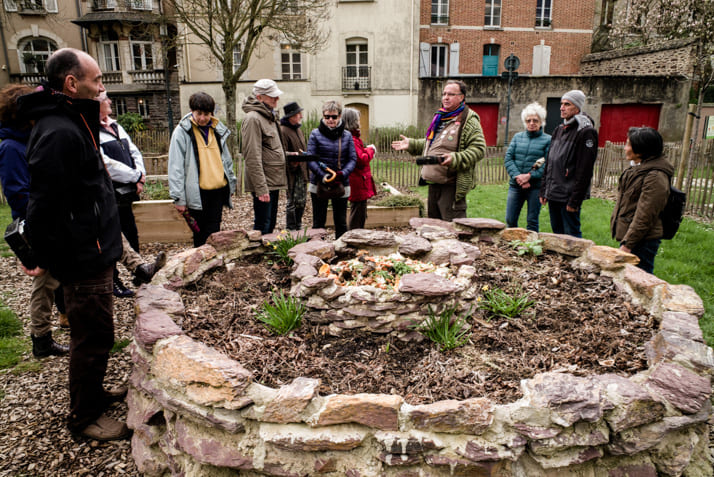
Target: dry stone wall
x: 195, y: 412
x: 668, y: 59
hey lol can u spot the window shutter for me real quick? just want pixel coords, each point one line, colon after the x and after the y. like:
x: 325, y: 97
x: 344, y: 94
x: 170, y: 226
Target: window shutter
x: 10, y: 5
x: 424, y: 62
x: 51, y: 6
x: 454, y: 59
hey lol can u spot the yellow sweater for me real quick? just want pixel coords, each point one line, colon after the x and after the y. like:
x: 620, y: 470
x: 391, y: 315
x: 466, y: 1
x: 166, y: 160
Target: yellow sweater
x: 211, y: 175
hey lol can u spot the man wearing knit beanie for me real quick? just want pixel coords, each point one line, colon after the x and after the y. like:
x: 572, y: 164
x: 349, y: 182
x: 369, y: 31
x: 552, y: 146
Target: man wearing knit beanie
x: 569, y: 165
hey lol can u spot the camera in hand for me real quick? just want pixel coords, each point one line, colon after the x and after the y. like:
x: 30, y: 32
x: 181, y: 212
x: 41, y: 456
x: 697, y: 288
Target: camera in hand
x: 424, y: 160
x: 16, y: 239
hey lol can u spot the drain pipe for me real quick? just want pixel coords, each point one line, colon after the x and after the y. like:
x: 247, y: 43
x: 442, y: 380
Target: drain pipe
x: 82, y: 30
x: 6, y: 66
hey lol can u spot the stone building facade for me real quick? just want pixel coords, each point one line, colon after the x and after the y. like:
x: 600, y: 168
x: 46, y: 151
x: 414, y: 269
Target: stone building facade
x: 664, y: 59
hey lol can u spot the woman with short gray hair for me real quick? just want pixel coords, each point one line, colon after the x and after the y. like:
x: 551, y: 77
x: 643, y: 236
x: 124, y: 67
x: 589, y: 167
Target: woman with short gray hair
x: 524, y: 166
x: 332, y: 143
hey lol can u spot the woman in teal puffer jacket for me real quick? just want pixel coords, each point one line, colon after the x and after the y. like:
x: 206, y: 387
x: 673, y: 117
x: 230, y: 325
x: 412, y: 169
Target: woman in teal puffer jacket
x: 522, y: 165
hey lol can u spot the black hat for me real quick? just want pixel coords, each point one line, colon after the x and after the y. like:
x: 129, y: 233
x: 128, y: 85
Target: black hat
x: 291, y: 109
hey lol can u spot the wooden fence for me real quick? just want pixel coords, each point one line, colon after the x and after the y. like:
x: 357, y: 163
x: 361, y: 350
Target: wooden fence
x: 698, y: 179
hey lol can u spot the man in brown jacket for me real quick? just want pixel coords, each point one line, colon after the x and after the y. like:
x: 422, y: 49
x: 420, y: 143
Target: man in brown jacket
x: 263, y: 152
x: 294, y: 142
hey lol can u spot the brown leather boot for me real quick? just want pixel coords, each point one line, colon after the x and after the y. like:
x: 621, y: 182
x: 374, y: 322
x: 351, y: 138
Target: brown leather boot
x: 63, y: 320
x: 106, y: 428
x: 146, y: 271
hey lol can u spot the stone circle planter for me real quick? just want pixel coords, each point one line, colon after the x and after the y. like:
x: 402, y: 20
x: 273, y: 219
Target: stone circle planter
x: 194, y: 411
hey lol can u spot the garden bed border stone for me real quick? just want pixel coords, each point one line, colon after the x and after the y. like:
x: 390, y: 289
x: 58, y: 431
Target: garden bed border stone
x: 194, y: 411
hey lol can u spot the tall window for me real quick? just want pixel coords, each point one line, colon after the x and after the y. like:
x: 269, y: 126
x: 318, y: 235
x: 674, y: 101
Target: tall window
x: 142, y: 54
x: 109, y: 48
x: 439, y: 12
x: 119, y: 106
x: 34, y: 53
x: 357, y: 59
x: 291, y: 62
x: 142, y: 105
x: 438, y: 60
x: 237, y: 56
x: 493, y: 13
x: 543, y: 13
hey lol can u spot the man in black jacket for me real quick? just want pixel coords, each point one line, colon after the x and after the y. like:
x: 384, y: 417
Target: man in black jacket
x: 74, y: 229
x: 569, y: 165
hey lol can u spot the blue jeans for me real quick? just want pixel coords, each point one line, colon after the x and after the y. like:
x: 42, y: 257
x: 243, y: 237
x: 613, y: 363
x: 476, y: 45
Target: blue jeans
x: 562, y: 221
x: 646, y: 252
x: 266, y: 213
x: 516, y: 197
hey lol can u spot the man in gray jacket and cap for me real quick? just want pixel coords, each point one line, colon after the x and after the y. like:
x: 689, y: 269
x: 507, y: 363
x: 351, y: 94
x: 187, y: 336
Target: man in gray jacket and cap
x: 262, y: 149
x: 569, y: 165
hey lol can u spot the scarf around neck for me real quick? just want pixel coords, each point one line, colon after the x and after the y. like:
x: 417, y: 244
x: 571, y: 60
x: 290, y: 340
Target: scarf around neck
x: 442, y: 115
x: 331, y: 133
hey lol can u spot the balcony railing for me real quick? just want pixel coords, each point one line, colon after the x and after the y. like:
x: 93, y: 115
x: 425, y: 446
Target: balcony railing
x: 112, y: 77
x: 30, y: 79
x: 30, y: 7
x: 104, y: 4
x: 356, y: 78
x: 148, y: 77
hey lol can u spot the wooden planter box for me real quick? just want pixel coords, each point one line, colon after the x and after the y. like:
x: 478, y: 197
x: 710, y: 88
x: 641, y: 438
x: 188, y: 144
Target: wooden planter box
x: 159, y: 221
x: 383, y: 216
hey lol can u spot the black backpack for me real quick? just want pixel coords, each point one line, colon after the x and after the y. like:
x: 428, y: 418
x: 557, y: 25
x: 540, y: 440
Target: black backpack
x: 673, y: 212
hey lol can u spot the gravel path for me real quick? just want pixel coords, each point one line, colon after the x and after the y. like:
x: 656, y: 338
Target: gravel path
x: 33, y: 438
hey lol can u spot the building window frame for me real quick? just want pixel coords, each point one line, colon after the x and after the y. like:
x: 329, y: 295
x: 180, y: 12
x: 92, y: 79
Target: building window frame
x: 119, y: 106
x: 141, y: 61
x: 290, y: 62
x: 439, y: 12
x: 438, y: 60
x: 142, y: 107
x: 492, y: 16
x: 109, y: 52
x: 544, y: 13
x: 33, y: 54
x: 357, y: 56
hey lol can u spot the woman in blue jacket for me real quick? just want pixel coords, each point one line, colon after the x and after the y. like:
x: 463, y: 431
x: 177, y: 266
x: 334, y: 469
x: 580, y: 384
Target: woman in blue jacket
x: 521, y: 163
x: 336, y: 150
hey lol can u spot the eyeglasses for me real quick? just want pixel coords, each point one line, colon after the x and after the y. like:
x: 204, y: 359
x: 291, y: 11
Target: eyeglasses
x: 532, y: 120
x: 330, y: 116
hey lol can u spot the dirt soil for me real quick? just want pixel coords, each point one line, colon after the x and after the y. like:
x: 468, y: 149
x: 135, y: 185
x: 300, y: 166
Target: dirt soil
x: 580, y: 323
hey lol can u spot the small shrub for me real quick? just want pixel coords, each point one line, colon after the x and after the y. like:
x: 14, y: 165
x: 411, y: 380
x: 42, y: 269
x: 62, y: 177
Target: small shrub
x: 403, y: 201
x: 131, y: 122
x: 283, y: 316
x: 447, y: 330
x: 499, y: 303
x: 120, y: 345
x: 533, y: 248
x: 280, y: 247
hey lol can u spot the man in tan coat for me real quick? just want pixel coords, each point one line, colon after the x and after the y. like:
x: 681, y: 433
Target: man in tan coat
x: 263, y: 152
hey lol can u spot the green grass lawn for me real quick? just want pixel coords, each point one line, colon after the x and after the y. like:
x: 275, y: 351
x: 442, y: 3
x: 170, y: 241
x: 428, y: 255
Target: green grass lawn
x: 687, y: 259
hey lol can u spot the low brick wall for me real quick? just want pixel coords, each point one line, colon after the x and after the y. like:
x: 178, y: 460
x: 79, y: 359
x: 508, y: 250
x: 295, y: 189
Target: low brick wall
x: 195, y: 412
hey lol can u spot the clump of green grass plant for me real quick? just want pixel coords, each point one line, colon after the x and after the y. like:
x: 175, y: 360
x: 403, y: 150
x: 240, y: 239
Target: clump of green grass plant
x: 11, y: 347
x: 155, y: 190
x: 497, y: 302
x: 280, y: 247
x: 446, y: 328
x: 403, y: 200
x: 532, y: 248
x: 283, y: 315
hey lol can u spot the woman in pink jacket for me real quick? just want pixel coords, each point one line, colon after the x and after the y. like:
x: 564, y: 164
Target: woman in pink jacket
x: 361, y: 183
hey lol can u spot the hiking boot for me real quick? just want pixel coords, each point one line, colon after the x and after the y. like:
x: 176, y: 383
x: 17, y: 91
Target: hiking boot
x: 43, y: 346
x: 106, y: 428
x: 120, y: 291
x: 63, y: 320
x: 146, y: 271
x: 115, y: 394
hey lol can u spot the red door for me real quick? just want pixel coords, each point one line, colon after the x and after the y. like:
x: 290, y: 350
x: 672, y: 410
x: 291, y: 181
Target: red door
x: 488, y: 112
x: 616, y: 119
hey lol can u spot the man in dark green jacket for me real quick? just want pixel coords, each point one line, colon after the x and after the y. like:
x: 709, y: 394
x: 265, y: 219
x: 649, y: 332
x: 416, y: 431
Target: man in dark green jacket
x: 455, y: 134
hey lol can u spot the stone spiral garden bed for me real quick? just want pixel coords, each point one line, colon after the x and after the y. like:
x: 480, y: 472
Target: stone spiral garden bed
x: 194, y: 411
